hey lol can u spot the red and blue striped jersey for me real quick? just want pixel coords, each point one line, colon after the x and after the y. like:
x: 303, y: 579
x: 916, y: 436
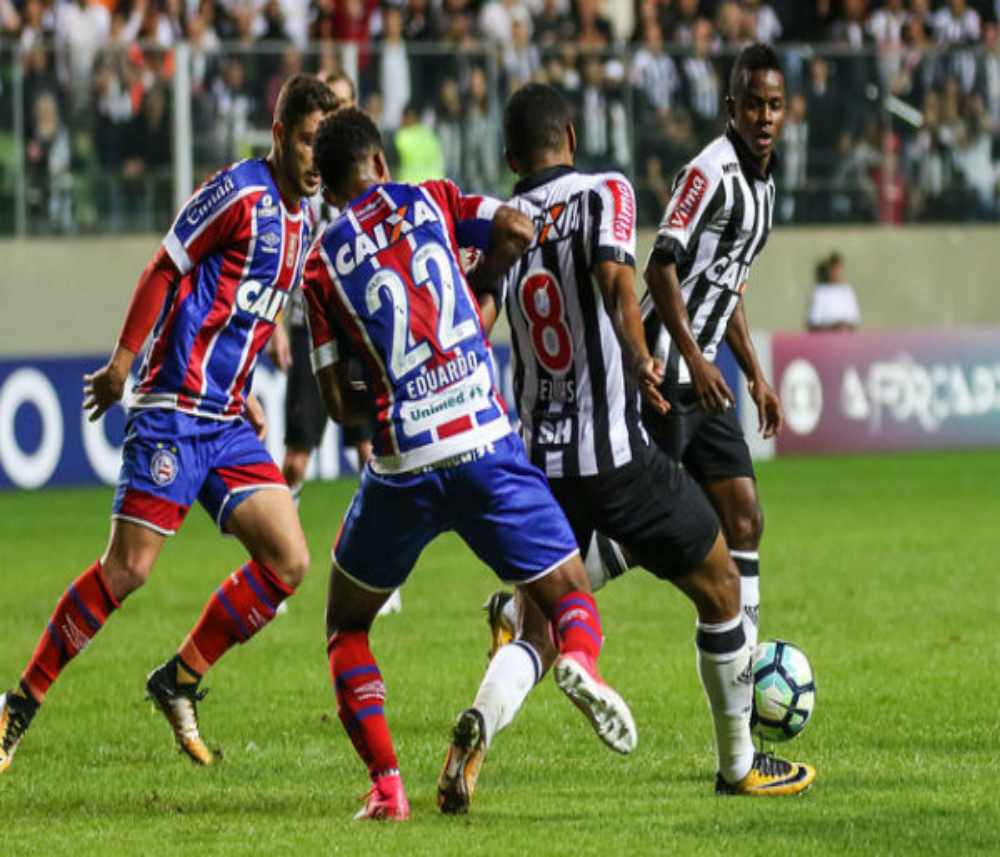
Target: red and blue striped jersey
x: 384, y: 283
x: 240, y: 252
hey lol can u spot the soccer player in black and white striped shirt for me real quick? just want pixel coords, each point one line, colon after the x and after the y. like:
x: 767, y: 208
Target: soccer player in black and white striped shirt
x: 714, y: 226
x: 581, y: 360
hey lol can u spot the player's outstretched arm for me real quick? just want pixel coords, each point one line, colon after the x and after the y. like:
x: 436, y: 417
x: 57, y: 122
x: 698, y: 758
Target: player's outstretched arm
x: 665, y: 289
x: 105, y: 387
x: 617, y: 285
x: 770, y: 417
x: 511, y: 234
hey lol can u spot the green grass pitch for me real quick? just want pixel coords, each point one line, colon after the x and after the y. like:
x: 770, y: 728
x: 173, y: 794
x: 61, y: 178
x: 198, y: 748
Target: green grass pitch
x: 883, y: 569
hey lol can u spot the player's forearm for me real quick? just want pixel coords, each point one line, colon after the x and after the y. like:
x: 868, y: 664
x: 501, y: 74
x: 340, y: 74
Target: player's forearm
x: 739, y: 341
x: 510, y: 236
x: 617, y: 284
x: 147, y: 301
x: 345, y: 404
x: 665, y: 290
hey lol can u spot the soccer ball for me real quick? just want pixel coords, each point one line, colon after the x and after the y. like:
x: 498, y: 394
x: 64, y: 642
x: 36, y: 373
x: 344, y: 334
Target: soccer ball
x: 784, y: 691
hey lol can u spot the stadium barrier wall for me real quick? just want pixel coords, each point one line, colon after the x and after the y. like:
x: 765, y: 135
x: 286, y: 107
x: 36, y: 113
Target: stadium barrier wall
x: 842, y: 392
x: 68, y: 296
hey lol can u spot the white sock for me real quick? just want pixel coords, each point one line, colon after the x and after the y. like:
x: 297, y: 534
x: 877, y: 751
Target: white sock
x: 296, y: 492
x: 724, y: 669
x: 509, y: 611
x: 603, y: 561
x: 513, y: 671
x: 748, y: 563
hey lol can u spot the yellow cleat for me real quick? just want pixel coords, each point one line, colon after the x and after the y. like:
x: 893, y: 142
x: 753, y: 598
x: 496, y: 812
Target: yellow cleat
x: 769, y: 776
x: 179, y: 705
x: 465, y: 759
x: 16, y: 711
x: 501, y: 630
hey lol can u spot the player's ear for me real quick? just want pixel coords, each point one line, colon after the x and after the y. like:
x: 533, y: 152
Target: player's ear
x: 277, y: 135
x: 511, y: 163
x: 571, y: 138
x: 731, y: 106
x: 381, y: 166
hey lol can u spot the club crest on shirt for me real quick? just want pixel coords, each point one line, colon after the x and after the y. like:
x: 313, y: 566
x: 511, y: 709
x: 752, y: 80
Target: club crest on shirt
x: 163, y: 466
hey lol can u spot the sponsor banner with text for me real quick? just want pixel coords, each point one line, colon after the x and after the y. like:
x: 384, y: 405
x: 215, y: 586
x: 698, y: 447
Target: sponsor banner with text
x: 47, y: 440
x: 857, y: 392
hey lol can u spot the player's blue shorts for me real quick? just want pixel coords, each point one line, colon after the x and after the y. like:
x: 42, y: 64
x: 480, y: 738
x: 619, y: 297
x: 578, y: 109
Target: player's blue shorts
x: 170, y: 459
x: 499, y: 503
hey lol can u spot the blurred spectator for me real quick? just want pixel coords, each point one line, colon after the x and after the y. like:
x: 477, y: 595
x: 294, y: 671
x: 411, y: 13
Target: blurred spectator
x: 10, y: 20
x: 146, y: 168
x: 973, y: 158
x: 957, y: 27
x: 700, y: 85
x: 234, y: 106
x: 39, y: 76
x: 496, y: 19
x: 794, y: 160
x: 826, y: 112
x: 448, y: 124
x: 82, y: 29
x: 593, y: 30
x: 887, y: 26
x: 601, y: 119
x: 989, y: 73
x: 890, y: 187
x: 480, y: 148
x: 418, y: 149
x: 113, y: 82
x: 48, y: 169
x: 930, y: 165
x: 683, y: 22
x: 553, y: 25
x: 853, y: 66
x: 394, y: 70
x: 521, y: 59
x: 729, y: 24
x: 833, y: 304
x: 763, y: 23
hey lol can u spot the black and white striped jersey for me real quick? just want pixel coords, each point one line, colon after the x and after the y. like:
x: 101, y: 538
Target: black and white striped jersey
x: 579, y: 409
x: 716, y: 223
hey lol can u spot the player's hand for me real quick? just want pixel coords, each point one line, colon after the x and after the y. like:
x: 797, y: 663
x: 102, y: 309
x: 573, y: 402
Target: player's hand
x: 650, y: 378
x: 770, y: 416
x: 256, y: 417
x: 713, y: 391
x: 105, y: 387
x: 279, y: 348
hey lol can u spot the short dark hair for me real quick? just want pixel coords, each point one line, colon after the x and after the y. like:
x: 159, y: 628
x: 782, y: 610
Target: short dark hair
x: 344, y: 139
x: 332, y: 77
x: 753, y: 58
x: 301, y: 95
x: 534, y: 121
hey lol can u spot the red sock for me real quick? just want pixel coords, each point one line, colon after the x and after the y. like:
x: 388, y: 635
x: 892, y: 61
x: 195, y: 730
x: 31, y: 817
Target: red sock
x: 79, y: 615
x: 245, y: 603
x: 577, y: 626
x: 360, y: 694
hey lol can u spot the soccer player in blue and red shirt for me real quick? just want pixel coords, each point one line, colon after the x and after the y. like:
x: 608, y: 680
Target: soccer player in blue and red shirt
x: 384, y: 285
x: 211, y: 297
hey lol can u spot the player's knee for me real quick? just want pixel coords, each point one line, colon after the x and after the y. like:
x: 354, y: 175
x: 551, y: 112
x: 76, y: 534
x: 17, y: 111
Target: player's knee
x: 744, y: 528
x: 124, y: 572
x: 293, y: 565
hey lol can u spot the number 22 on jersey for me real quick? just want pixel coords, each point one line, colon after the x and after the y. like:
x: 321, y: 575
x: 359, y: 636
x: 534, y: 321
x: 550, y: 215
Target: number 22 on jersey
x: 405, y: 354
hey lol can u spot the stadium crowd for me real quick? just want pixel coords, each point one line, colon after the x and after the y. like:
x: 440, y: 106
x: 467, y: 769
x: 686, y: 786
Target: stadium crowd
x: 893, y: 110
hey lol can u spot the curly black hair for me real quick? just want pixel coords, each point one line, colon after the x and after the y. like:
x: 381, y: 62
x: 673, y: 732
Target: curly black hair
x: 344, y: 139
x: 753, y: 58
x: 534, y: 121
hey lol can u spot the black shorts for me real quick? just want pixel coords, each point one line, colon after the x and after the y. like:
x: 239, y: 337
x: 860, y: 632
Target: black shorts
x: 305, y: 416
x: 710, y: 444
x: 651, y: 506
